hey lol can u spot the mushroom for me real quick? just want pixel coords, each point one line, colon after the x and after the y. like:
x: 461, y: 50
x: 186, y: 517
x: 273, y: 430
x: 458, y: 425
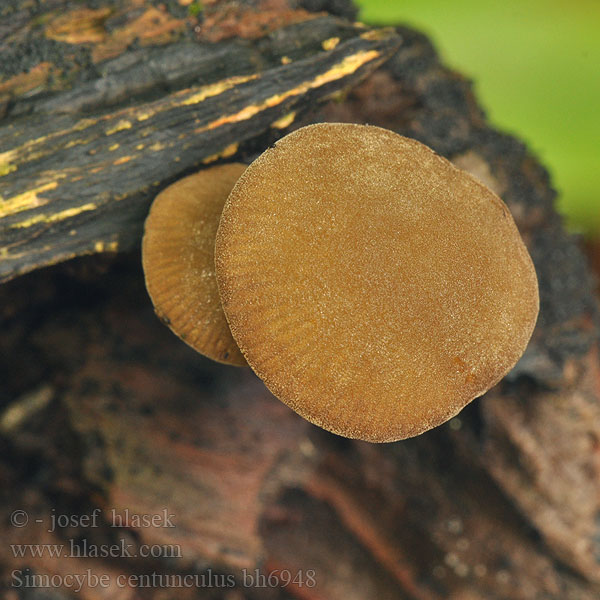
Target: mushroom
x: 178, y: 260
x: 373, y: 286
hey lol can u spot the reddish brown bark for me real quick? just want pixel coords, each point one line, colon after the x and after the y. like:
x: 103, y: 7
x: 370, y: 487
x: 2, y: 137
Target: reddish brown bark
x: 103, y: 408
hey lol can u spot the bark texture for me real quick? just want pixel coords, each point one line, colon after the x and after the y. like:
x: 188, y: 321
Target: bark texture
x: 82, y: 158
x: 103, y: 408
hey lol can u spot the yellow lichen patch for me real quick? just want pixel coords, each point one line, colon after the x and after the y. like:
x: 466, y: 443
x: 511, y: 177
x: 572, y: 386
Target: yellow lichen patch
x: 156, y: 147
x: 375, y: 35
x: 102, y: 246
x: 120, y: 126
x: 7, y: 157
x: 330, y: 43
x: 284, y: 121
x: 6, y: 168
x: 84, y: 124
x: 53, y: 218
x: 79, y: 26
x: 73, y: 143
x: 338, y: 96
x: 122, y: 160
x: 347, y: 66
x: 154, y: 26
x: 286, y: 60
x: 214, y: 89
x: 25, y: 152
x: 79, y: 142
x: 25, y: 82
x: 145, y: 115
x: 139, y: 147
x: 225, y: 153
x: 6, y: 254
x: 113, y: 147
x: 26, y: 200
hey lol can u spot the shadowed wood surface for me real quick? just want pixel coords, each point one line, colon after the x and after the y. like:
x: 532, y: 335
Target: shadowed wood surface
x: 79, y: 165
x: 101, y: 407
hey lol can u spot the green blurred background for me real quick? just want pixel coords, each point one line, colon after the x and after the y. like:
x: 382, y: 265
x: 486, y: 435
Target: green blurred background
x: 536, y: 68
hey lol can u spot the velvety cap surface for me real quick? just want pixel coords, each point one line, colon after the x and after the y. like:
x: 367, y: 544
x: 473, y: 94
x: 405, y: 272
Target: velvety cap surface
x: 374, y: 287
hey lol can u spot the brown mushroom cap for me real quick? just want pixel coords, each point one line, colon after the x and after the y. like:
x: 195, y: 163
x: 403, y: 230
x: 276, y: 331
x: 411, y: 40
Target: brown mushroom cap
x: 373, y: 286
x: 178, y: 260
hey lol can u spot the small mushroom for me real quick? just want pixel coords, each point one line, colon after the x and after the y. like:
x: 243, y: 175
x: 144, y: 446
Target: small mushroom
x: 373, y: 286
x: 178, y: 260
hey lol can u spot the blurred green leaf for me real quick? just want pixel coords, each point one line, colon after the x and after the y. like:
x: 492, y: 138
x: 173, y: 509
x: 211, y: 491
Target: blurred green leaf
x: 536, y: 67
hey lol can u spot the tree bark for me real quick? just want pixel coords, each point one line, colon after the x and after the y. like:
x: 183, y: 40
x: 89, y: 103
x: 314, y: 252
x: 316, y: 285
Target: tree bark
x: 80, y: 164
x: 102, y: 408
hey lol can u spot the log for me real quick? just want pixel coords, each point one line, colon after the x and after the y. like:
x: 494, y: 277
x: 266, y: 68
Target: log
x: 103, y: 409
x: 73, y: 184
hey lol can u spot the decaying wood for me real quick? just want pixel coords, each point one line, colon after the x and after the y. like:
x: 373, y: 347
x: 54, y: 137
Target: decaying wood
x: 497, y: 504
x: 102, y: 407
x: 73, y: 184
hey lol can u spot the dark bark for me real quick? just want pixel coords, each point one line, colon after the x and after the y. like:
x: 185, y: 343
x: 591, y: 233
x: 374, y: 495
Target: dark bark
x: 77, y: 174
x: 102, y: 407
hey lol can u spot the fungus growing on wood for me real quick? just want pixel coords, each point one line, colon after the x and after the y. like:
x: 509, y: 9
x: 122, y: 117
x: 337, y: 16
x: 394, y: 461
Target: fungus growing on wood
x: 178, y: 260
x: 374, y: 287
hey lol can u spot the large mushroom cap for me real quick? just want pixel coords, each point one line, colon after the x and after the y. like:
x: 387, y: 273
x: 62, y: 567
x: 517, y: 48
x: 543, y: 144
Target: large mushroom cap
x: 373, y: 286
x: 178, y: 260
